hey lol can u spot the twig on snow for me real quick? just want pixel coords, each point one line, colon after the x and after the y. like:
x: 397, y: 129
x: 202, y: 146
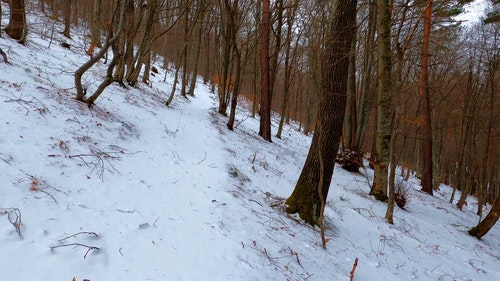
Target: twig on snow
x: 79, y: 233
x: 89, y: 248
x: 353, y: 269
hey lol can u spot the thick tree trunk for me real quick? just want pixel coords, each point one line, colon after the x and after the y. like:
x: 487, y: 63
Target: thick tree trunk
x: 307, y: 195
x: 17, y: 27
x: 384, y: 97
x: 426, y: 147
x: 265, y: 92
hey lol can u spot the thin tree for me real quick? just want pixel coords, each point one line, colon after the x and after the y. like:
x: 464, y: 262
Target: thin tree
x: 265, y: 92
x: 309, y: 196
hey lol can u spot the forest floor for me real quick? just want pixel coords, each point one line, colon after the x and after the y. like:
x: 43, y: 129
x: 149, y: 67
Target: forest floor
x: 134, y: 190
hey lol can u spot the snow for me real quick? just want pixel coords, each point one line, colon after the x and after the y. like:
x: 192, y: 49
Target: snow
x: 134, y: 190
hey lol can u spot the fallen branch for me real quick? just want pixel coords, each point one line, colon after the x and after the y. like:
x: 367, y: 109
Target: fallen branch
x: 89, y: 248
x: 353, y: 269
x: 99, y: 159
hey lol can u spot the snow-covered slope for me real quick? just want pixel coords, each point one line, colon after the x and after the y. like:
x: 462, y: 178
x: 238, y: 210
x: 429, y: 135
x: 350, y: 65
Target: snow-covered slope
x: 133, y: 190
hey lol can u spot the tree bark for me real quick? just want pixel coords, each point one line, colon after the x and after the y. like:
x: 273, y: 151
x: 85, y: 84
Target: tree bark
x: 67, y: 19
x: 265, y: 91
x: 384, y: 97
x: 17, y: 27
x: 426, y: 147
x: 307, y: 195
x: 489, y: 221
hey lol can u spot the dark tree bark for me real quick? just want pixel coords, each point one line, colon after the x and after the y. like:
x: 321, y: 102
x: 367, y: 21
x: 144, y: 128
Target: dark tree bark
x: 489, y: 221
x: 265, y: 92
x: 17, y: 27
x: 311, y: 191
x: 426, y: 147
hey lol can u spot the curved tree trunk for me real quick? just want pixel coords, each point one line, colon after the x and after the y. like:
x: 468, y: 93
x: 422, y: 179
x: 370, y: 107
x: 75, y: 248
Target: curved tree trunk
x: 80, y: 91
x: 306, y: 197
x: 489, y: 221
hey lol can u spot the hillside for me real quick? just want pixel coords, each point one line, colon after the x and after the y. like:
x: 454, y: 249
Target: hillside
x: 134, y: 190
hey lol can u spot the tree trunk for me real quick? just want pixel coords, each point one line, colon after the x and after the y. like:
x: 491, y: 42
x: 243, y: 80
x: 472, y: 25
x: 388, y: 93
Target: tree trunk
x: 365, y: 98
x: 174, y: 86
x: 17, y: 27
x: 67, y: 19
x: 184, y: 54
x: 287, y: 79
x: 384, y: 96
x: 232, y: 14
x: 426, y: 147
x: 194, y: 73
x: 80, y: 91
x: 144, y: 47
x: 389, y: 214
x: 265, y: 94
x: 489, y: 221
x: 350, y: 125
x: 273, y: 59
x: 307, y: 195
